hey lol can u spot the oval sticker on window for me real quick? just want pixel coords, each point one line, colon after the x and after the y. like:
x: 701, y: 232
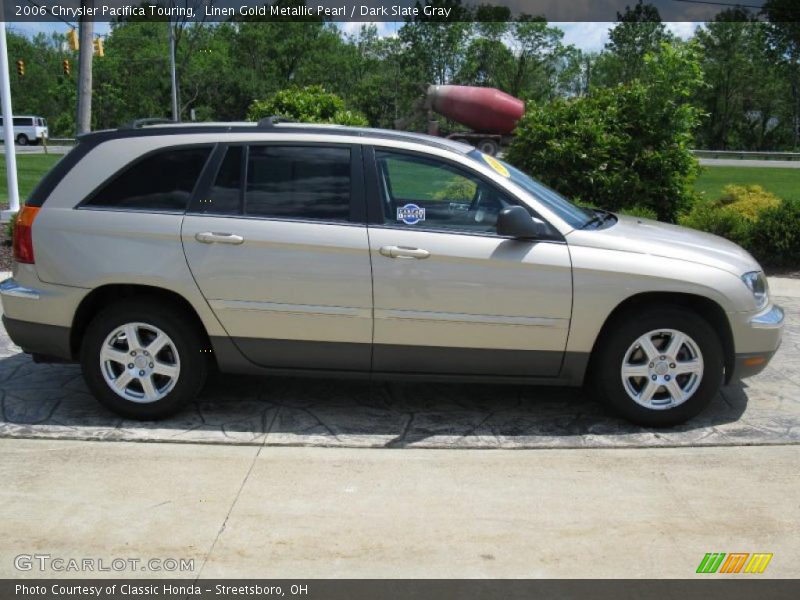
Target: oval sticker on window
x: 410, y: 214
x: 496, y: 165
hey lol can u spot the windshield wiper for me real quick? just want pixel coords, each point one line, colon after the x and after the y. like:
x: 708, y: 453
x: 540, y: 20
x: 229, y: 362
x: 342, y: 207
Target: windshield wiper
x: 599, y: 218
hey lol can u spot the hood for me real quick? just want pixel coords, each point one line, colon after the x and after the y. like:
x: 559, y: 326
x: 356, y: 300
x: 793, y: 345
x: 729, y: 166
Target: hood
x: 644, y: 236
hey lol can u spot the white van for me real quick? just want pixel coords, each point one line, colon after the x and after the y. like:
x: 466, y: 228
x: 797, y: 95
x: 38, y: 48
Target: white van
x: 28, y: 129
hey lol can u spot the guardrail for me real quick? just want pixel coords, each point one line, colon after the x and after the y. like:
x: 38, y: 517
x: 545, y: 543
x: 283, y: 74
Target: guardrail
x: 744, y: 155
x: 60, y: 141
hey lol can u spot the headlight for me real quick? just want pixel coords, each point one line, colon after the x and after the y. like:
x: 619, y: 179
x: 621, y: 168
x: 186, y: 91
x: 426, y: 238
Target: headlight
x: 756, y: 282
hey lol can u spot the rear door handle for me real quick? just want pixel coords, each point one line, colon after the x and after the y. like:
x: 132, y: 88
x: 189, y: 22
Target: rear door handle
x: 404, y: 252
x: 210, y: 237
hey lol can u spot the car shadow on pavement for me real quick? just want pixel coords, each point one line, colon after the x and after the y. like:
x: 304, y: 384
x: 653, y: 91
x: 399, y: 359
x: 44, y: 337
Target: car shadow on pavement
x: 52, y: 400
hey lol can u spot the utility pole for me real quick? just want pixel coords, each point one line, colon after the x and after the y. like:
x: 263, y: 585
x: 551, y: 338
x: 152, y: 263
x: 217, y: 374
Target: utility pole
x: 175, y: 115
x: 8, y: 129
x: 85, y: 70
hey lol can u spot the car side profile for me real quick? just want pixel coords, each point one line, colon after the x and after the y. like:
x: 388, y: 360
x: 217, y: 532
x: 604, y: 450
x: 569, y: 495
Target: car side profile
x: 28, y: 129
x: 153, y: 254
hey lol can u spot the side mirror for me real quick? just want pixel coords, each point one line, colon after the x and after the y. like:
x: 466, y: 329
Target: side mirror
x: 516, y: 222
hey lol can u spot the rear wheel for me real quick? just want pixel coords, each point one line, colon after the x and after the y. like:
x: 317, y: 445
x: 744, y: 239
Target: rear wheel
x: 659, y: 366
x: 142, y: 361
x: 489, y: 146
x: 22, y: 139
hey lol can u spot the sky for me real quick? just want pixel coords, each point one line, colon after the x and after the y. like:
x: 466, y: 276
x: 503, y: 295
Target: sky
x: 590, y: 36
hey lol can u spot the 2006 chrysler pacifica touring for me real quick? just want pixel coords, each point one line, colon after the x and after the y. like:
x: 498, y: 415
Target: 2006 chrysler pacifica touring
x: 154, y: 253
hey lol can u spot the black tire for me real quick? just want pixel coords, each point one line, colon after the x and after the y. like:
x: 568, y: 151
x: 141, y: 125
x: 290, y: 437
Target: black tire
x: 489, y: 146
x: 22, y: 139
x: 606, y: 380
x: 185, y: 336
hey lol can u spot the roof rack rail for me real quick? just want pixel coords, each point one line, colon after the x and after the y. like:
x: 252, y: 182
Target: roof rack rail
x: 137, y: 123
x: 273, y: 120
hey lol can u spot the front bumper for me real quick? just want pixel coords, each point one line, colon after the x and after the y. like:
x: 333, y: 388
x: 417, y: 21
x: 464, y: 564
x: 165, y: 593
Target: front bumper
x: 757, y: 339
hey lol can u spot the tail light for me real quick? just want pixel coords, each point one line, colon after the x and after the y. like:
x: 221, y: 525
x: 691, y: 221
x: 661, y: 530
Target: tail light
x: 23, y: 234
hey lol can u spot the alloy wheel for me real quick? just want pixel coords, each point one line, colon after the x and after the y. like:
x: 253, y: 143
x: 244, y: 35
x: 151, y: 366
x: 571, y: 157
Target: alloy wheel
x: 662, y: 369
x: 139, y: 362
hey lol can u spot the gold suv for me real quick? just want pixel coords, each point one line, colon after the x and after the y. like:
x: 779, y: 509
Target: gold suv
x: 152, y: 253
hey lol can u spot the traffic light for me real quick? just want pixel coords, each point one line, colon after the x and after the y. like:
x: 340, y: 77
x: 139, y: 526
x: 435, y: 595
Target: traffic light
x: 72, y: 40
x: 98, y: 47
x: 65, y: 64
x: 21, y: 68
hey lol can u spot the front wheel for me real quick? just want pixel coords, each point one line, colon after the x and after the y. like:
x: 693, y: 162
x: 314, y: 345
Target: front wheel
x: 143, y: 362
x: 22, y: 139
x: 658, y: 367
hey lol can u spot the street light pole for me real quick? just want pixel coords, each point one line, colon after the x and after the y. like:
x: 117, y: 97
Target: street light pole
x: 8, y: 129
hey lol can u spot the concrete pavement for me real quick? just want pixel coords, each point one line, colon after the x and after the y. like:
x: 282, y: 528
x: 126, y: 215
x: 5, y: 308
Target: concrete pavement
x: 338, y: 513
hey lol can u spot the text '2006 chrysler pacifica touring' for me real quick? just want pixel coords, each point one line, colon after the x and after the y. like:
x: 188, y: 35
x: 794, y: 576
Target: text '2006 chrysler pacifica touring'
x: 152, y: 254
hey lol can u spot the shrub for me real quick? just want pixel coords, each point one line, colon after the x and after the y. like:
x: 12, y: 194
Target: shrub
x: 643, y: 212
x: 760, y: 222
x: 10, y: 225
x: 775, y: 237
x: 310, y: 104
x: 619, y: 147
x: 459, y: 188
x: 735, y: 215
x: 747, y: 201
x: 715, y: 219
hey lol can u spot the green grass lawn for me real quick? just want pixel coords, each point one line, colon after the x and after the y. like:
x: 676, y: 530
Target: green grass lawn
x: 784, y: 183
x: 30, y: 169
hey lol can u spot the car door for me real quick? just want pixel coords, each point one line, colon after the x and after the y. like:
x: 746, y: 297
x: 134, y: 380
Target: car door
x: 450, y: 295
x: 278, y: 246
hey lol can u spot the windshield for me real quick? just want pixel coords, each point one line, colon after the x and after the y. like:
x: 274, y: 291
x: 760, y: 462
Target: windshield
x: 576, y: 216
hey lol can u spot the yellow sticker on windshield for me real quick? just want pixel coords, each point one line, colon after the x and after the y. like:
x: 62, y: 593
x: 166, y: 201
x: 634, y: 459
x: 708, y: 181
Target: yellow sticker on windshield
x: 496, y: 165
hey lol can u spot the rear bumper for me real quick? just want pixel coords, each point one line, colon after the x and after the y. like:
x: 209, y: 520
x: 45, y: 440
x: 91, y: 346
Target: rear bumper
x: 36, y: 338
x: 38, y: 316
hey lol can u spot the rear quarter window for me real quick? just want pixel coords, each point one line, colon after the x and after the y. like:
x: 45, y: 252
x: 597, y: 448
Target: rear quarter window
x: 160, y: 181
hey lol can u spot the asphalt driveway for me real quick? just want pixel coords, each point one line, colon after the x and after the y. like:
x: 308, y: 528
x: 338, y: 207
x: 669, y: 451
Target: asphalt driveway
x: 51, y: 401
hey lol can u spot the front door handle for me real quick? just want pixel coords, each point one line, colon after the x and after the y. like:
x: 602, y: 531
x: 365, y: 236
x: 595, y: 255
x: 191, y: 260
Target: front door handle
x: 404, y: 252
x: 210, y: 237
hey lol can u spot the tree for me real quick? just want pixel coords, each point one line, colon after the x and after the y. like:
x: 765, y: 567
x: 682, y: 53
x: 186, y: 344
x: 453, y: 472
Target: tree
x: 639, y: 31
x: 433, y: 46
x: 746, y: 90
x: 784, y: 37
x: 381, y: 87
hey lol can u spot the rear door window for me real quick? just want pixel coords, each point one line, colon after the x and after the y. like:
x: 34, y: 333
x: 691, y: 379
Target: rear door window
x: 298, y: 182
x: 162, y: 181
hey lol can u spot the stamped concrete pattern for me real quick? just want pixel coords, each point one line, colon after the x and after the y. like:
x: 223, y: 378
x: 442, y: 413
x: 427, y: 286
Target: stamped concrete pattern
x: 51, y: 401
